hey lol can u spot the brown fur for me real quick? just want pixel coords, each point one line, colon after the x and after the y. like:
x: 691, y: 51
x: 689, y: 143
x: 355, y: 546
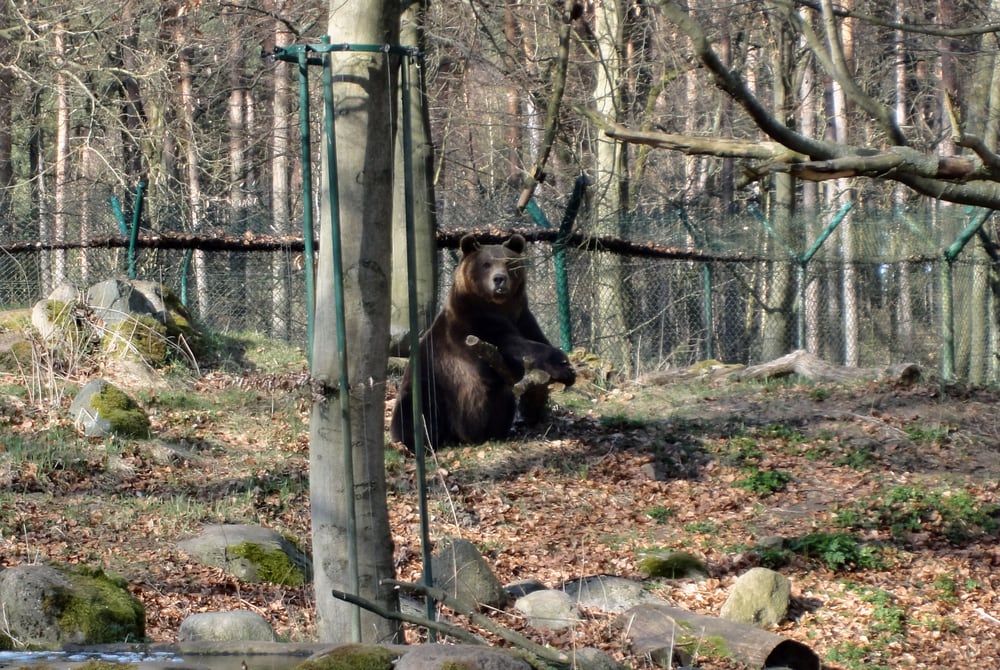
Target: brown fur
x: 463, y: 399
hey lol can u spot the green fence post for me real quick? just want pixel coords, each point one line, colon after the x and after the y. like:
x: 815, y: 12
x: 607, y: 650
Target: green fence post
x: 140, y: 189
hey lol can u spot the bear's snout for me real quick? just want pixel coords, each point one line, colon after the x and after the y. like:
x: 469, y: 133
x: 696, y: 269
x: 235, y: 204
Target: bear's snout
x: 500, y: 283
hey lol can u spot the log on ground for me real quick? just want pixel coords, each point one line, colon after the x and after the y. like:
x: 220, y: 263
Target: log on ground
x: 664, y: 632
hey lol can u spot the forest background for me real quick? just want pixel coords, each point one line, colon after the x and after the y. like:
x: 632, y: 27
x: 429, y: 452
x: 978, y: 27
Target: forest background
x: 719, y: 222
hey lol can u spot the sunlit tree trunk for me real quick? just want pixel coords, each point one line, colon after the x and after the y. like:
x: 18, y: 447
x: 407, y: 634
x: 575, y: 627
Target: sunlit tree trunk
x: 776, y: 323
x: 903, y: 303
x: 193, y: 177
x: 6, y: 124
x: 609, y: 316
x: 425, y: 220
x: 281, y: 147
x: 840, y: 39
x: 61, y: 165
x: 364, y: 96
x: 238, y: 182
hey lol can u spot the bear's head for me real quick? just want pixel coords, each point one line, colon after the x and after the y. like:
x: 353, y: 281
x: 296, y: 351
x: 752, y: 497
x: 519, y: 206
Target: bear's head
x: 493, y: 273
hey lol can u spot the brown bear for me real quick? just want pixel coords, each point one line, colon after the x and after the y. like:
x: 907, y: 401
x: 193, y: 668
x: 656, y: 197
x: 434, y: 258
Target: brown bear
x: 465, y: 399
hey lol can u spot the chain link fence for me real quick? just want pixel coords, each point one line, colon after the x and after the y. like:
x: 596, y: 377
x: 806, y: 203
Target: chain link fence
x: 745, y: 299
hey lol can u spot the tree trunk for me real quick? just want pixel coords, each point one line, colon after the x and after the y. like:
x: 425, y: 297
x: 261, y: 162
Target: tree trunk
x: 281, y: 145
x: 6, y: 124
x: 61, y: 166
x: 194, y: 196
x: 425, y: 220
x: 364, y: 99
x: 609, y: 302
x: 238, y: 194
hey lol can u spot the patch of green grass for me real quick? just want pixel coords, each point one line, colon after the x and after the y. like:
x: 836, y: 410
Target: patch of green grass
x: 764, y: 482
x: 927, y: 434
x: 661, y: 513
x: 955, y: 515
x: 704, y: 527
x: 621, y: 422
x: 857, y: 458
x: 740, y: 450
x: 819, y: 393
x: 779, y: 431
x: 840, y: 552
x: 888, y: 622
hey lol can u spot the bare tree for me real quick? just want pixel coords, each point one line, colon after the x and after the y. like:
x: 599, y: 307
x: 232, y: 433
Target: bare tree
x: 352, y: 543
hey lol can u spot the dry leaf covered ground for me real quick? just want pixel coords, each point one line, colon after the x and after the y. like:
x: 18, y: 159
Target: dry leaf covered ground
x: 879, y: 503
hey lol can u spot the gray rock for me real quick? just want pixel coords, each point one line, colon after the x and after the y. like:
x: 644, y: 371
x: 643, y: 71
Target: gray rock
x: 548, y: 610
x: 759, y: 597
x: 674, y: 565
x: 461, y: 571
x: 46, y: 607
x: 594, y: 659
x: 251, y: 553
x: 226, y: 627
x: 100, y: 409
x: 607, y: 593
x: 438, y: 656
x: 523, y: 587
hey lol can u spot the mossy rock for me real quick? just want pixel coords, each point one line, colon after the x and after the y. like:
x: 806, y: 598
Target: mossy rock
x: 47, y: 607
x: 140, y: 336
x: 353, y: 657
x: 101, y: 408
x: 273, y: 565
x: 251, y: 553
x: 62, y: 324
x: 673, y: 565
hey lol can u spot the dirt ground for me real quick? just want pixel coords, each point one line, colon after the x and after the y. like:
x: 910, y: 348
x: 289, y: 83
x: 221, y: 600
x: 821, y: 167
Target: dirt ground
x: 878, y: 502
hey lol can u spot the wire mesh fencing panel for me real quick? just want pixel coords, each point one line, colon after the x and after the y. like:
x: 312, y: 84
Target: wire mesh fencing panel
x: 639, y: 314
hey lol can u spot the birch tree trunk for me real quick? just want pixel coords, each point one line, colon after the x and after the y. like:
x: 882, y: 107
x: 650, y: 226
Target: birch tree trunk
x: 346, y: 429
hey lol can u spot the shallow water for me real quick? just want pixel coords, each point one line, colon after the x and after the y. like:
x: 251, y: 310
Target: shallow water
x: 212, y: 656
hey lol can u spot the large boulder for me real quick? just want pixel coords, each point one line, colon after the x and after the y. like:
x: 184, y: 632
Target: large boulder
x: 548, y: 610
x: 101, y: 409
x: 47, y: 607
x: 462, y: 572
x: 131, y: 319
x: 251, y: 553
x: 226, y: 627
x: 759, y: 597
x: 608, y: 593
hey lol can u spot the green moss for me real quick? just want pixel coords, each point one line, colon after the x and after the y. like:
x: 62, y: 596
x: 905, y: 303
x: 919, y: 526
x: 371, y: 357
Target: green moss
x: 142, y: 336
x: 18, y: 357
x: 353, y: 657
x: 94, y: 664
x: 124, y: 415
x: 98, y: 609
x: 273, y: 566
x: 458, y: 665
x: 65, y: 317
x: 673, y: 565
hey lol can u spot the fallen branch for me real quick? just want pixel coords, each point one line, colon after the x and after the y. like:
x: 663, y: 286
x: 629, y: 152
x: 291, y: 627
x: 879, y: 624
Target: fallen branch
x: 442, y: 596
x: 810, y: 366
x: 439, y: 626
x: 799, y: 362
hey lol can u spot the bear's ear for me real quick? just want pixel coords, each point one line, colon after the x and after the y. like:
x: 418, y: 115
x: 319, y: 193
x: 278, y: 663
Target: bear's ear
x: 468, y: 244
x: 515, y: 244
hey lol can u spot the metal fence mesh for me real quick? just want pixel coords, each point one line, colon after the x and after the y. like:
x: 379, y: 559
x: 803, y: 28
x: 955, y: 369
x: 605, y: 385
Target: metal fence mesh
x: 642, y: 314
